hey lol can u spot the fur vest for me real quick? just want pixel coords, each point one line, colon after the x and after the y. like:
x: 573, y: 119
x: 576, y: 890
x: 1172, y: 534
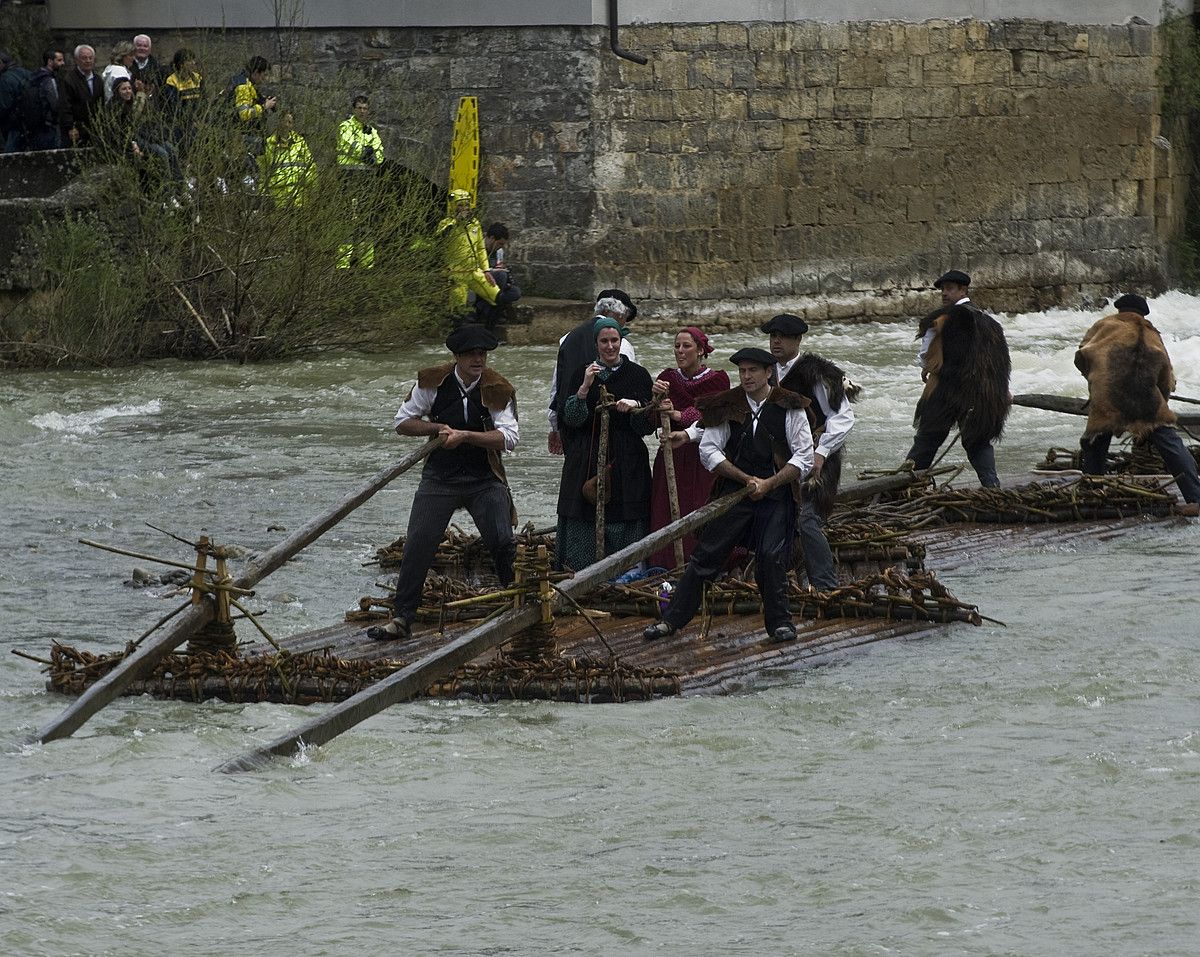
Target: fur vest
x: 1129, y: 376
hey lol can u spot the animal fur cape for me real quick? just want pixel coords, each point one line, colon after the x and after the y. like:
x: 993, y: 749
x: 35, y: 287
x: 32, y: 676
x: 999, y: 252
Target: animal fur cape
x: 967, y: 368
x: 809, y: 370
x: 1129, y: 376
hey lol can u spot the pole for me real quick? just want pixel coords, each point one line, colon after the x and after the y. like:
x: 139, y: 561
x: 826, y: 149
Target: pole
x: 668, y: 455
x: 142, y: 661
x: 418, y: 676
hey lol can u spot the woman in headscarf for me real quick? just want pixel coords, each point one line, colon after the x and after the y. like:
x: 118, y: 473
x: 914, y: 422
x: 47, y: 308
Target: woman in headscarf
x: 627, y: 476
x: 678, y: 389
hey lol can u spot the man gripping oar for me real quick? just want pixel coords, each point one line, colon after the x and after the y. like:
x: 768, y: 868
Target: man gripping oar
x: 475, y: 408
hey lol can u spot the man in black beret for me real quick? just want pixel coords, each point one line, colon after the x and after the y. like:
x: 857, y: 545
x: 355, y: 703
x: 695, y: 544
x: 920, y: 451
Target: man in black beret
x: 965, y: 366
x: 830, y: 418
x: 475, y: 408
x: 577, y: 350
x: 755, y: 435
x: 1130, y: 379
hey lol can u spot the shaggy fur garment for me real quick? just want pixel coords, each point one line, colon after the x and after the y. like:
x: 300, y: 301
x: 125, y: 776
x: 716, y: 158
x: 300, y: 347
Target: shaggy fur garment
x: 806, y: 373
x: 1129, y: 376
x: 967, y: 368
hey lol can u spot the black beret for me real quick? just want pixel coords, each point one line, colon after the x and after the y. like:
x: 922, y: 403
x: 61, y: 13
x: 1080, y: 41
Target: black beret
x: 622, y: 297
x: 759, y: 356
x: 1132, y: 303
x: 470, y: 337
x: 956, y: 276
x: 786, y: 325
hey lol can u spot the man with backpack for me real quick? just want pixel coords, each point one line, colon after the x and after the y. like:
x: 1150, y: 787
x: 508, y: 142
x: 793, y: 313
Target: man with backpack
x: 13, y: 80
x: 35, y: 114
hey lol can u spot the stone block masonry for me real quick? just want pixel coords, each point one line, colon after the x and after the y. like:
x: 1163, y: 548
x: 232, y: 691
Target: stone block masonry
x: 834, y: 169
x: 830, y: 169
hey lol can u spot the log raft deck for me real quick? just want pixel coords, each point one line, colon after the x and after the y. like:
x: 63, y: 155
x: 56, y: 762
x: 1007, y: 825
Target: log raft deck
x: 602, y: 656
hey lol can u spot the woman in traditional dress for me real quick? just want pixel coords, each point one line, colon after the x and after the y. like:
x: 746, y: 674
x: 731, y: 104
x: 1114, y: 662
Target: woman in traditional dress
x: 678, y: 389
x: 627, y: 476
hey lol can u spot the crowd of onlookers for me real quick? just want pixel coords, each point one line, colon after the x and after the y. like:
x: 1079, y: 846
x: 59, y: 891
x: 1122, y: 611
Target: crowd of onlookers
x: 139, y: 107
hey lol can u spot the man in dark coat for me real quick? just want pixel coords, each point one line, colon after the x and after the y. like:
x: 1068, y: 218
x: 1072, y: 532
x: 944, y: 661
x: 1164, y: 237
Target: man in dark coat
x: 81, y: 97
x: 830, y: 418
x: 755, y: 435
x: 577, y: 349
x: 1130, y: 379
x: 966, y: 369
x: 475, y: 409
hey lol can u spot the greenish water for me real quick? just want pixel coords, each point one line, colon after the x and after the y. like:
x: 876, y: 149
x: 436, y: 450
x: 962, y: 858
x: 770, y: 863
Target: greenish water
x: 1024, y: 790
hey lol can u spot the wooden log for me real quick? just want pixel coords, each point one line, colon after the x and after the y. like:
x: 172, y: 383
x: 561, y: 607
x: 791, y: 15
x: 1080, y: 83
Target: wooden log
x: 142, y: 661
x: 414, y: 679
x: 1075, y: 406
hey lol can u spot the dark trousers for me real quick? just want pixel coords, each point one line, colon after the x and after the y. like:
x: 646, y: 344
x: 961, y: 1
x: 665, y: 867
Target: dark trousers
x: 436, y: 500
x: 982, y: 457
x: 769, y: 526
x: 818, y: 559
x: 1177, y: 459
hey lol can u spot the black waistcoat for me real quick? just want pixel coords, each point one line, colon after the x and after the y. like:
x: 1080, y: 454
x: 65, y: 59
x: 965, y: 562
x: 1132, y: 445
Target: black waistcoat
x: 754, y: 453
x: 465, y: 461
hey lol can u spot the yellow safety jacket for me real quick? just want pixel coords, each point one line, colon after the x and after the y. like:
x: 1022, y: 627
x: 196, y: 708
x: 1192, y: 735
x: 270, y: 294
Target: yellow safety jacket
x: 353, y: 143
x: 247, y: 104
x: 289, y: 173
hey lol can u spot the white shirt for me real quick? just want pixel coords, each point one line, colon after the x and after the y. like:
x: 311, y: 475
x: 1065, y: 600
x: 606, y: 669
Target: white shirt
x: 551, y: 415
x: 928, y: 337
x: 714, y: 438
x: 838, y: 422
x: 418, y: 404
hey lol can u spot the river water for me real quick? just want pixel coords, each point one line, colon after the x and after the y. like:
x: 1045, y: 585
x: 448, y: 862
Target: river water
x: 1027, y: 790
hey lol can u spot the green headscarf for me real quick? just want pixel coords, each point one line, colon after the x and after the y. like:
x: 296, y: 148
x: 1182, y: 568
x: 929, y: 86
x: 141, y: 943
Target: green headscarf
x: 603, y: 322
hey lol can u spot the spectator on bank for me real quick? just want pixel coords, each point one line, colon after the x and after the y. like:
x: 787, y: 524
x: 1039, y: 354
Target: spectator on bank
x: 288, y: 173
x: 81, y: 96
x: 118, y: 66
x: 182, y: 95
x: 128, y: 132
x: 38, y: 106
x: 359, y: 156
x: 250, y: 106
x: 13, y: 80
x: 146, y: 72
x: 495, y: 239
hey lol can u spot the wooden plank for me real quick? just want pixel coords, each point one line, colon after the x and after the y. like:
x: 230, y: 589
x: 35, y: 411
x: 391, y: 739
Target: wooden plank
x: 411, y: 681
x: 142, y: 661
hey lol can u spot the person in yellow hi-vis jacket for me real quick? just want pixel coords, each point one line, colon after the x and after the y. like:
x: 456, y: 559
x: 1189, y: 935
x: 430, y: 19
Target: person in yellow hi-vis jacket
x: 289, y: 174
x: 359, y: 155
x: 466, y: 254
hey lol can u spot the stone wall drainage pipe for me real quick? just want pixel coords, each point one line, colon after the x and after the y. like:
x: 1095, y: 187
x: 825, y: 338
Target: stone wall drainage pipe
x: 612, y: 37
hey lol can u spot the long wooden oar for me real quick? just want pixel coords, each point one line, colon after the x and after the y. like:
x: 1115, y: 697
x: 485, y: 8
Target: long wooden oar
x: 143, y: 660
x: 668, y: 454
x: 412, y: 680
x: 1074, y: 406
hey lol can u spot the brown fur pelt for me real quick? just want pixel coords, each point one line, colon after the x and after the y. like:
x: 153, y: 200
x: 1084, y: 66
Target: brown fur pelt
x: 731, y: 405
x: 968, y: 368
x: 1129, y: 376
x: 495, y: 391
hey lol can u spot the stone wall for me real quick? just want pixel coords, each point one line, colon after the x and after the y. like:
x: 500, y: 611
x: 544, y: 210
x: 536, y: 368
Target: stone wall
x: 832, y: 169
x: 835, y: 169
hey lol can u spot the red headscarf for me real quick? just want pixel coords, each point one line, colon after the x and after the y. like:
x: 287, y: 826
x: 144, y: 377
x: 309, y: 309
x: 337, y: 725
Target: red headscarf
x: 701, y: 339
